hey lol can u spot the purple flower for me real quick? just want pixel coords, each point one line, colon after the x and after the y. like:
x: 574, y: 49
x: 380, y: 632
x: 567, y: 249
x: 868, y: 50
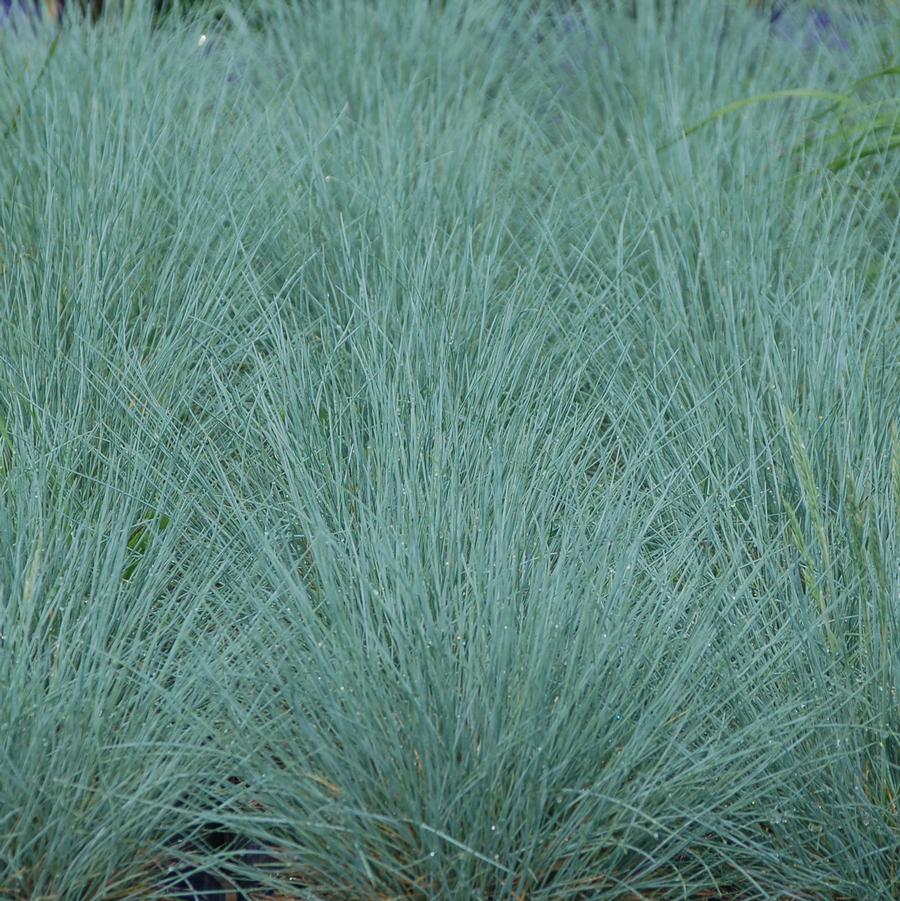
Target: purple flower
x: 814, y: 29
x: 10, y: 8
x: 16, y: 12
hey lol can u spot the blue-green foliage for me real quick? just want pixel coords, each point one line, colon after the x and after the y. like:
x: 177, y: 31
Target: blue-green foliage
x: 414, y: 479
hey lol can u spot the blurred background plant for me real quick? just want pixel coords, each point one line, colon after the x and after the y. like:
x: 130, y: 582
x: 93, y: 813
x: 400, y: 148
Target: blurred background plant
x: 53, y: 9
x: 861, y: 121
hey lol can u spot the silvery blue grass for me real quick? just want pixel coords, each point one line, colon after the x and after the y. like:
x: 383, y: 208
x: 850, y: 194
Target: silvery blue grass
x: 415, y: 484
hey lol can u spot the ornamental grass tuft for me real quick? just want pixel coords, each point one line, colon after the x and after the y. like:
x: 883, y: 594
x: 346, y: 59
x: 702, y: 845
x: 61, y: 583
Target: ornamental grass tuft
x: 417, y: 481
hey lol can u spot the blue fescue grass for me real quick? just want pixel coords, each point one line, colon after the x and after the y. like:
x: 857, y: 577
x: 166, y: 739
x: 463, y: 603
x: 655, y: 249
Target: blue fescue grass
x: 413, y: 469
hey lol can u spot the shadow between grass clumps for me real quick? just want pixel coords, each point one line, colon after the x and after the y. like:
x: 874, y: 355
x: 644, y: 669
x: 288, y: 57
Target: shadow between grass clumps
x: 213, y: 862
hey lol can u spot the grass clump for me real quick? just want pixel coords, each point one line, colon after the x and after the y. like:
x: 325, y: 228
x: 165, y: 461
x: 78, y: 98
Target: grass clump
x: 414, y: 483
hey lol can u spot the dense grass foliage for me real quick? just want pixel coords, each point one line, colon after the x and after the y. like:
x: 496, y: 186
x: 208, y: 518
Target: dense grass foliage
x: 418, y: 463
